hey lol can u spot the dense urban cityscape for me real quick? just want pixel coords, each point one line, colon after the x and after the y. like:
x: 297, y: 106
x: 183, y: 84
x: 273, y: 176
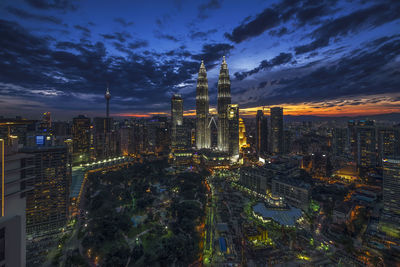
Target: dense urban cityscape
x: 211, y: 181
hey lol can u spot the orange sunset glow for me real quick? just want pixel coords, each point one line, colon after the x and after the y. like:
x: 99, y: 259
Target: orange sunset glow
x: 371, y: 105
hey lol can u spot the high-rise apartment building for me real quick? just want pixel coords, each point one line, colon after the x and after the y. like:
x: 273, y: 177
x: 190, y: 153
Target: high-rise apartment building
x: 261, y: 133
x: 388, y: 143
x: 276, y: 141
x: 366, y: 157
x: 339, y: 141
x: 81, y: 139
x: 104, y: 138
x: 48, y: 201
x: 391, y: 190
x: 203, y: 138
x: 224, y: 99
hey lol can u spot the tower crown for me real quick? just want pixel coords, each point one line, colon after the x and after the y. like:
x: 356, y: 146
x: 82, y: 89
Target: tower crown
x: 107, y: 95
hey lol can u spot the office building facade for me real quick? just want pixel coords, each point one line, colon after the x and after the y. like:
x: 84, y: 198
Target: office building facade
x: 261, y: 133
x: 276, y: 140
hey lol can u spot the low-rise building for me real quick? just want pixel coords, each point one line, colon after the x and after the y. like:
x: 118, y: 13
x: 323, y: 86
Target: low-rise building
x: 293, y: 190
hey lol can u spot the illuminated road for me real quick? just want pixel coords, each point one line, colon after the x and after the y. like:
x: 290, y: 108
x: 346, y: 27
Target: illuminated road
x: 209, y: 228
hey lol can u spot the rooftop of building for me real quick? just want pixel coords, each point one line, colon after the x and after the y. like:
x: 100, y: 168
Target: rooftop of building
x: 294, y: 181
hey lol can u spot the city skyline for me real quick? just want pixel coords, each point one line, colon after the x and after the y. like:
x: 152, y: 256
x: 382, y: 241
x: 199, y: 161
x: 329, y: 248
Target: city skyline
x: 294, y: 56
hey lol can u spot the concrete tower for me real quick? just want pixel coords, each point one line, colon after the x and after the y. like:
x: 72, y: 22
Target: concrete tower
x: 203, y: 139
x: 224, y: 99
x: 107, y: 96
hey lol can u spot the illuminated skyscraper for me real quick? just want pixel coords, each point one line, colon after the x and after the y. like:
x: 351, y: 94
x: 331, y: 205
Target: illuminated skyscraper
x: 339, y: 140
x: 391, y: 190
x: 107, y: 96
x: 276, y: 130
x: 203, y: 138
x: 224, y: 99
x: 176, y: 118
x: 388, y: 142
x: 242, y: 134
x: 47, y: 204
x: 261, y: 133
x: 45, y: 123
x: 366, y: 156
x: 233, y: 129
x: 81, y: 139
x: 104, y: 138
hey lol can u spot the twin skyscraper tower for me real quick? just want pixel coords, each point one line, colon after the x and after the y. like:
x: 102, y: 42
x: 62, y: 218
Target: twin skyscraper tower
x: 227, y: 113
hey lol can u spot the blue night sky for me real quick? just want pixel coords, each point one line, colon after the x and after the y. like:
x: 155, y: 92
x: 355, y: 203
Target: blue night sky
x: 312, y: 57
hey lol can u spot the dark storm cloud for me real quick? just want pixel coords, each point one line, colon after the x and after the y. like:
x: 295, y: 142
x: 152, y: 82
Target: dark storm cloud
x: 204, y: 8
x: 79, y: 71
x: 302, y: 12
x: 352, y: 23
x: 267, y: 19
x: 279, y: 32
x: 120, y: 36
x: 282, y: 58
x: 359, y: 74
x: 85, y: 31
x: 123, y: 22
x: 26, y: 15
x: 200, y: 35
x: 138, y: 44
x: 53, y: 4
x: 211, y: 53
x: 165, y: 36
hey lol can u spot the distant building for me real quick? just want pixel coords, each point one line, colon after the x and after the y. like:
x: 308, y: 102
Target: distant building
x: 224, y: 99
x: 366, y: 157
x: 261, y: 133
x: 45, y: 124
x: 391, y: 189
x: 233, y: 127
x: 202, y: 110
x: 81, y: 139
x: 176, y: 119
x: 293, y: 190
x: 242, y: 134
x: 341, y: 213
x: 61, y: 131
x: 352, y: 138
x: 14, y: 180
x: 388, y: 143
x: 276, y: 144
x: 104, y: 138
x: 127, y: 141
x: 287, y: 141
x: 259, y: 178
x: 339, y: 142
